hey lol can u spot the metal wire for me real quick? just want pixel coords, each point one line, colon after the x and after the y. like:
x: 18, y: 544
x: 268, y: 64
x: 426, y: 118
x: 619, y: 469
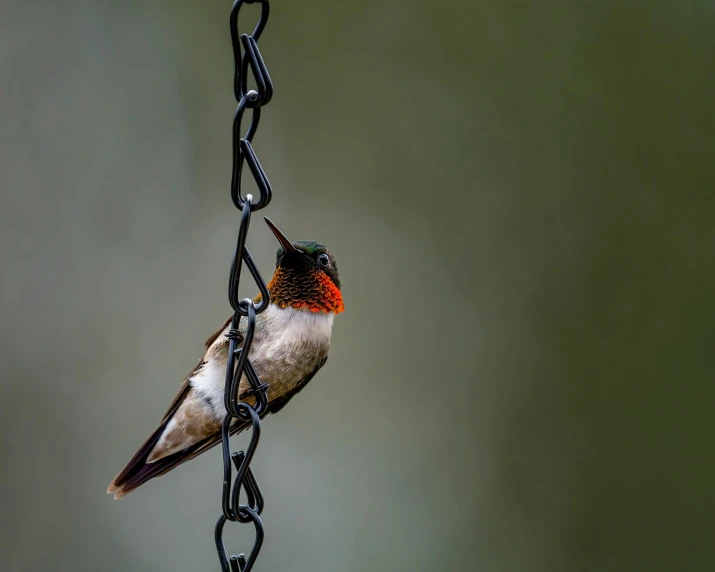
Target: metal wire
x: 246, y: 55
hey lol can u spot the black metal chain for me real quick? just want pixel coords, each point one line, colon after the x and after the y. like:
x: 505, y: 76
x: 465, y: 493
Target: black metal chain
x: 246, y: 54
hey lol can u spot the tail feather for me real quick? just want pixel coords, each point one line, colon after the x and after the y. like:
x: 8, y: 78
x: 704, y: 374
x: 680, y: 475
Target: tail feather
x: 138, y: 471
x: 137, y: 461
x: 141, y: 471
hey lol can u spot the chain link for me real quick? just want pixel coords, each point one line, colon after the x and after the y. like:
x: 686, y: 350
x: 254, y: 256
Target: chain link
x: 246, y: 54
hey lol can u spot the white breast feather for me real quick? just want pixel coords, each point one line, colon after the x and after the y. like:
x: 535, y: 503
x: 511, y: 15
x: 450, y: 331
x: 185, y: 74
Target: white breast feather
x: 291, y: 331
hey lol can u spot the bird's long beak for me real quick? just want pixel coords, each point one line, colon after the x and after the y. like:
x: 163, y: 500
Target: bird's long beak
x: 285, y: 243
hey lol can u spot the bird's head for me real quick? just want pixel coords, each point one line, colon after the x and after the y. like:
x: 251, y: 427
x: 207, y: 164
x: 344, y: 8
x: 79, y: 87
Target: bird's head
x: 306, y: 276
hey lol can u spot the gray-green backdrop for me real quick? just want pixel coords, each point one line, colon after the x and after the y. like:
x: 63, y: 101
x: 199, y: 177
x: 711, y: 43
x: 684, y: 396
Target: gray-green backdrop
x: 520, y: 198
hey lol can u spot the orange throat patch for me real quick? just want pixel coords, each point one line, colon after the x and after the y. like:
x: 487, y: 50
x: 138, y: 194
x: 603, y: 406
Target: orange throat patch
x: 314, y: 291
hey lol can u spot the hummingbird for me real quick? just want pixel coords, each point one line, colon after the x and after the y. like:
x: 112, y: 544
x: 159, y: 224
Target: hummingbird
x: 290, y: 345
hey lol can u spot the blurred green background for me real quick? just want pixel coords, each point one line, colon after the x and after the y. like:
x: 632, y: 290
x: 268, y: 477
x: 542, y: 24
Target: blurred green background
x: 520, y: 198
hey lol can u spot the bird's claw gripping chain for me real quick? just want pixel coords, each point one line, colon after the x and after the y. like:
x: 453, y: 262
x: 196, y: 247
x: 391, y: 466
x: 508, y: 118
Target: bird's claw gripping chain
x: 235, y: 335
x: 238, y: 362
x: 251, y: 392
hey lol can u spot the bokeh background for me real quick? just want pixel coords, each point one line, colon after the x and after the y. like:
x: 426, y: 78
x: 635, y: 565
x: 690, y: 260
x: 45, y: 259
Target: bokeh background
x: 520, y: 198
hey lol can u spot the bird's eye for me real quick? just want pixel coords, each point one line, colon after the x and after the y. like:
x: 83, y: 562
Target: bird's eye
x: 323, y: 259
